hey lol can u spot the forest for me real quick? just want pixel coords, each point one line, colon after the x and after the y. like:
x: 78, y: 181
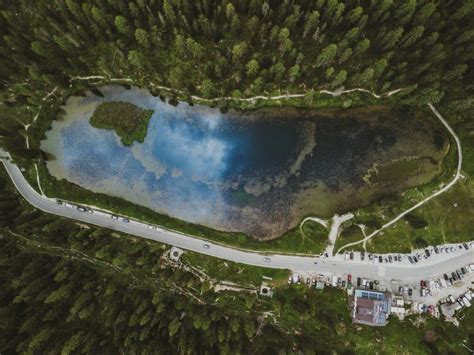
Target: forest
x: 225, y: 48
x: 72, y: 288
x: 69, y: 288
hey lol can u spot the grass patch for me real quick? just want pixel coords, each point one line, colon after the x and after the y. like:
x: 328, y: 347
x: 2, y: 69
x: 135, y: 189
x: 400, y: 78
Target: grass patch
x: 394, y: 170
x: 225, y: 270
x: 129, y: 121
x: 349, y: 234
x: 448, y: 218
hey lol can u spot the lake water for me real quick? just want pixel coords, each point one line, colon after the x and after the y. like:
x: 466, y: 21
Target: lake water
x: 258, y: 172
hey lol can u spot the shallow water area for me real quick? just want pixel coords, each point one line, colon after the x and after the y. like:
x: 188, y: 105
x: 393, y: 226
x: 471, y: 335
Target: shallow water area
x: 257, y: 172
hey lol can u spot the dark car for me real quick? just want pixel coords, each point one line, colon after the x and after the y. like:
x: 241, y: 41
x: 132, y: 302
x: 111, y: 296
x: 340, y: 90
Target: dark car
x: 390, y: 258
x: 427, y: 252
x: 351, y: 255
x: 371, y: 285
x: 410, y: 259
x: 455, y: 277
x: 415, y: 259
x: 436, y: 249
x: 446, y: 277
x: 380, y: 259
x: 410, y: 292
x: 465, y: 246
x: 362, y: 255
x: 343, y: 283
x: 358, y: 281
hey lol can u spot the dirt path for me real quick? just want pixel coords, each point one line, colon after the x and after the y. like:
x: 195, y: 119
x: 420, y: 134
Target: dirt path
x: 247, y: 99
x: 425, y: 200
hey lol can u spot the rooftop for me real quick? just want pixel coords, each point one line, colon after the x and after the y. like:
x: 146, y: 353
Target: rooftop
x: 370, y: 307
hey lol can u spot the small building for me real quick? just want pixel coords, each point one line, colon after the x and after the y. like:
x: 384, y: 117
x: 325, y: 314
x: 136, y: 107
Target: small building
x: 175, y: 254
x: 319, y: 285
x: 370, y: 307
x: 266, y: 291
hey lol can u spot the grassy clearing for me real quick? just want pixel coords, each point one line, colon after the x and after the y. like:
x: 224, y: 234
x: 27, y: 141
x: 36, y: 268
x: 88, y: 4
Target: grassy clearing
x: 445, y: 219
x: 129, y: 121
x: 245, y: 275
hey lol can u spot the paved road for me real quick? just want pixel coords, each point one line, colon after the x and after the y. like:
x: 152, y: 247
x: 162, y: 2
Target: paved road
x: 335, y: 265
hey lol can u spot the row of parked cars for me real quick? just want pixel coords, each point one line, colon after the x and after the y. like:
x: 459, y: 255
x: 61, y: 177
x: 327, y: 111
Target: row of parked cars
x: 463, y: 300
x: 412, y: 258
x: 428, y: 252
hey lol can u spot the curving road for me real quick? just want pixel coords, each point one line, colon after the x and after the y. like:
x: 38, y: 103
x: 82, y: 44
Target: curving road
x: 334, y: 265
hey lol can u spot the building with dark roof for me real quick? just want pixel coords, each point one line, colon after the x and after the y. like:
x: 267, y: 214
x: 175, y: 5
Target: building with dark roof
x: 370, y: 307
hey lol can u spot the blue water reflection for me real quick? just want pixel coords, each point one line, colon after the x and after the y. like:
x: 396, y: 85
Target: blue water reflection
x: 257, y: 172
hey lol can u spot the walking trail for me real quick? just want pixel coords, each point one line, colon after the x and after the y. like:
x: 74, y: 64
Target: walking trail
x: 425, y: 200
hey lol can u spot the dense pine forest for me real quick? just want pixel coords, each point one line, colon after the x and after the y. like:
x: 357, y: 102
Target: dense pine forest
x: 66, y: 287
x: 71, y: 288
x: 228, y: 49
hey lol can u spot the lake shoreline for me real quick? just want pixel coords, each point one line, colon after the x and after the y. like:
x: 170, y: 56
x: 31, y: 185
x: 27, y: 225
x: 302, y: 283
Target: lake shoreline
x: 280, y: 186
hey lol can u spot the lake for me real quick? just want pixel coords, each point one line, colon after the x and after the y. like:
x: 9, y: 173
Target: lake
x: 258, y: 172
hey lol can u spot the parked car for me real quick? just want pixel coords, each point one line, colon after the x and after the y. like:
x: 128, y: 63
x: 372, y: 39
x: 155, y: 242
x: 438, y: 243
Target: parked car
x: 380, y: 259
x: 410, y: 259
x: 410, y: 292
x: 351, y: 255
x: 465, y: 246
x: 427, y: 252
x: 308, y: 281
x: 362, y: 255
x: 349, y: 277
x: 436, y: 250
x: 390, y: 259
x: 82, y: 209
x: 114, y: 216
x: 126, y: 220
x: 343, y: 283
x: 359, y: 281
